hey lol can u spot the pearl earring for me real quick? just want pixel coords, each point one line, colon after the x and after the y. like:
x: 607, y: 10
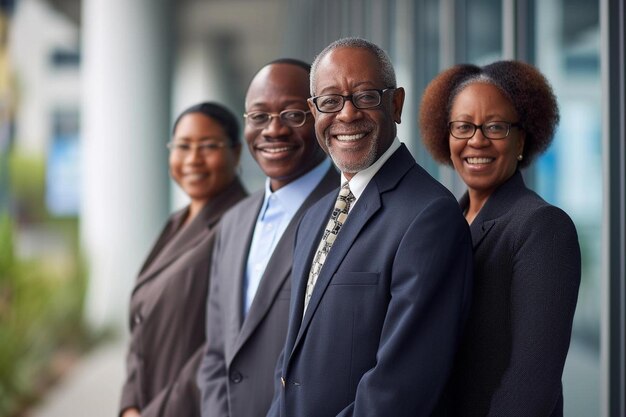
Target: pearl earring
x: 520, y: 157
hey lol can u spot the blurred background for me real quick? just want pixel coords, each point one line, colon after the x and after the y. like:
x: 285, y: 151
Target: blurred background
x: 88, y: 93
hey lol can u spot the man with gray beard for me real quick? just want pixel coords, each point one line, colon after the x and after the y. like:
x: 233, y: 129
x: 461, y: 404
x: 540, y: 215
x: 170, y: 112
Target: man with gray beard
x: 382, y: 269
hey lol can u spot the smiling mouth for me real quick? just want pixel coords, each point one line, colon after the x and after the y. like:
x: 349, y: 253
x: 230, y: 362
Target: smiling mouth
x: 276, y: 150
x: 350, y: 138
x: 195, y: 177
x: 479, y: 161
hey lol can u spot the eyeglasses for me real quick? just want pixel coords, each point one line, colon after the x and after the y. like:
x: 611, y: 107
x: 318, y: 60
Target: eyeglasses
x: 492, y: 130
x: 204, y: 148
x: 289, y: 117
x: 333, y: 103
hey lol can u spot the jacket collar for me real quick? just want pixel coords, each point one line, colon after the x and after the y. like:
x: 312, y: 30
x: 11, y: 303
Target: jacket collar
x: 386, y: 179
x: 277, y: 270
x: 174, y: 241
x: 498, y: 204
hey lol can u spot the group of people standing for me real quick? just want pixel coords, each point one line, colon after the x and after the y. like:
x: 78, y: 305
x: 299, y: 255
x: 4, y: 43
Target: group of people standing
x: 354, y: 284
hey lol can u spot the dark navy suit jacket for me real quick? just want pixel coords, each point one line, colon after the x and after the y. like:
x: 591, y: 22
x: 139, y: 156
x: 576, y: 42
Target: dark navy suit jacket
x: 380, y: 332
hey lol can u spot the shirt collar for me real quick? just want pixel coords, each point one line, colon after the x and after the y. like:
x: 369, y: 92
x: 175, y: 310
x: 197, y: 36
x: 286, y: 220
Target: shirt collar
x: 292, y: 195
x: 360, y: 180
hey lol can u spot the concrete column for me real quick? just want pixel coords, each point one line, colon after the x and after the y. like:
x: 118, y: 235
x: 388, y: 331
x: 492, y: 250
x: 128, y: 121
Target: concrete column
x: 125, y: 125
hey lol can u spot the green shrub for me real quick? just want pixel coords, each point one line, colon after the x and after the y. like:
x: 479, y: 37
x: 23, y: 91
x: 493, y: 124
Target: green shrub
x: 40, y: 315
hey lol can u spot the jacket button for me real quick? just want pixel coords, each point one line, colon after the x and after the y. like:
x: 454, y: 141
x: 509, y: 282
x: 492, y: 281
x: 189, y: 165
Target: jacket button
x: 236, y: 377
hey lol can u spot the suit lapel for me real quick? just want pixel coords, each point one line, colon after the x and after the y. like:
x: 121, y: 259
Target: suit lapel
x: 497, y: 205
x: 234, y: 302
x: 365, y: 208
x: 169, y: 248
x: 303, y: 256
x: 279, y: 265
x: 173, y: 224
x: 367, y: 205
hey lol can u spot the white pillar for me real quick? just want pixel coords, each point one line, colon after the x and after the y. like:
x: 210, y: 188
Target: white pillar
x: 125, y: 125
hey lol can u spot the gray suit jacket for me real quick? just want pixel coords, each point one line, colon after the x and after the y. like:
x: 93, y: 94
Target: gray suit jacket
x: 167, y: 310
x: 236, y: 373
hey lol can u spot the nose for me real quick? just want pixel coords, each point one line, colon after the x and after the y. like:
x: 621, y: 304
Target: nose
x: 479, y: 140
x: 194, y: 154
x: 275, y: 128
x: 349, y: 112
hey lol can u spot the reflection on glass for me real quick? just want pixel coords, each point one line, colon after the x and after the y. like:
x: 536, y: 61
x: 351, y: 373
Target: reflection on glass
x: 569, y: 175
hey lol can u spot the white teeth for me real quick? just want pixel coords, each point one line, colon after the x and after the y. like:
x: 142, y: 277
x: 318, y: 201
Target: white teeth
x: 195, y: 177
x: 275, y: 150
x: 349, y: 138
x: 479, y: 160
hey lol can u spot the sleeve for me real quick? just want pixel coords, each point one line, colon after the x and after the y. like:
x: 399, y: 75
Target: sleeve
x: 130, y: 390
x: 429, y: 302
x: 211, y: 374
x: 181, y: 397
x: 544, y: 291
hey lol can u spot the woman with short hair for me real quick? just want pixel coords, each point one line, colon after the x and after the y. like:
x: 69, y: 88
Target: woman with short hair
x: 488, y: 122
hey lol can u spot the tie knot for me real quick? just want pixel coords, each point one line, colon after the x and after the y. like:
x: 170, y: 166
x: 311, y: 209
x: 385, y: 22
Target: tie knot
x: 345, y: 198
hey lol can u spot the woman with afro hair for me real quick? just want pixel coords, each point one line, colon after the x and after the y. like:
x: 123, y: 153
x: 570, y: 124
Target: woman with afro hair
x: 488, y: 122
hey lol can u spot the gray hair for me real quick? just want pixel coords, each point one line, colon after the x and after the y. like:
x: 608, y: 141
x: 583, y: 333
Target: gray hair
x: 386, y: 68
x: 482, y: 78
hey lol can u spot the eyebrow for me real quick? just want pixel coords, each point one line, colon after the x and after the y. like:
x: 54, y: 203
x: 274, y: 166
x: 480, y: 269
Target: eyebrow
x: 490, y: 117
x: 369, y: 85
x: 284, y: 103
x: 202, y: 139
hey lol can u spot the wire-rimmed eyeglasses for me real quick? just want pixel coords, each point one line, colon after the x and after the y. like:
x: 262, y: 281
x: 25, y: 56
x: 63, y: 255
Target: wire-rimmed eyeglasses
x: 333, y: 103
x: 205, y: 148
x: 491, y: 130
x: 288, y: 117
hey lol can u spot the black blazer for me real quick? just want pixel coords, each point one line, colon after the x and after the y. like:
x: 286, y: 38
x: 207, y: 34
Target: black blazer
x: 527, y: 274
x: 167, y: 314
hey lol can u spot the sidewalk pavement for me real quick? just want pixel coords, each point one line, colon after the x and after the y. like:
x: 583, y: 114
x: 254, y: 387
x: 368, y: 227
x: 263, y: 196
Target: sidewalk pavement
x: 91, y: 388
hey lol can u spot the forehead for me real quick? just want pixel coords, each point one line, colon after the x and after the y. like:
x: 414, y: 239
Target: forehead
x: 348, y: 67
x: 278, y: 84
x: 484, y: 97
x: 197, y: 120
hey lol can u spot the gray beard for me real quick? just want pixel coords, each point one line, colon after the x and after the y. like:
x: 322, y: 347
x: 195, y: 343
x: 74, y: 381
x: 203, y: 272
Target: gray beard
x: 353, y: 168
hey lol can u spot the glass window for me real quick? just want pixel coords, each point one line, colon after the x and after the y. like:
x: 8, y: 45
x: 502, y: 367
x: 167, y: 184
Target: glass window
x: 569, y: 174
x: 481, y: 41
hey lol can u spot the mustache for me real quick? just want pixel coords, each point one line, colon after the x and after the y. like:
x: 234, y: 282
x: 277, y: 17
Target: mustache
x: 339, y: 128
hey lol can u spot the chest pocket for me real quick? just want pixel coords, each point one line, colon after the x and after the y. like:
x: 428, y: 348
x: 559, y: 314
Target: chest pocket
x: 355, y: 278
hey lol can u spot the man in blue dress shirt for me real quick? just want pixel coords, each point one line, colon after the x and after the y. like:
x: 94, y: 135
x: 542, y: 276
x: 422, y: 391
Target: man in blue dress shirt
x: 248, y: 304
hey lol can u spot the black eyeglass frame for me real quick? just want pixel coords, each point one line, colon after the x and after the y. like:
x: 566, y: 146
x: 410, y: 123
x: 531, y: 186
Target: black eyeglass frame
x: 350, y: 98
x: 485, y: 134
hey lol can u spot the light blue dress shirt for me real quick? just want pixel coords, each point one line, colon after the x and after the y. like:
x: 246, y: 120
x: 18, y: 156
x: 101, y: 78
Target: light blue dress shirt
x: 277, y: 210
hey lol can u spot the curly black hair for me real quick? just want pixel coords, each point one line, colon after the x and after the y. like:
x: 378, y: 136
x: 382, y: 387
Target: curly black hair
x: 527, y: 89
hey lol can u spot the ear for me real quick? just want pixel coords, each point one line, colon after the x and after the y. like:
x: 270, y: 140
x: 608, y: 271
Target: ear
x: 397, y: 103
x: 312, y: 108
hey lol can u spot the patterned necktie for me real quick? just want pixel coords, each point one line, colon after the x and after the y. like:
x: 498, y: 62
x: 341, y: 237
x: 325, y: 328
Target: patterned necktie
x: 337, y: 219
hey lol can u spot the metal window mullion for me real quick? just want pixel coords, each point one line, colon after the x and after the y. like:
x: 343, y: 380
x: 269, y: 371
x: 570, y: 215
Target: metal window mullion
x: 613, y: 330
x: 509, y: 29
